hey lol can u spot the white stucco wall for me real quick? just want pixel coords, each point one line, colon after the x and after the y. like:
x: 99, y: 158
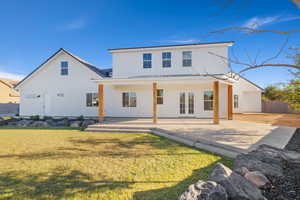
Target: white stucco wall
x: 130, y: 63
x: 47, y: 82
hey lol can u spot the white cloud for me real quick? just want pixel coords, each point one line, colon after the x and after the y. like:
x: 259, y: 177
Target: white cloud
x: 192, y: 40
x: 256, y: 22
x: 76, y: 24
x: 11, y: 76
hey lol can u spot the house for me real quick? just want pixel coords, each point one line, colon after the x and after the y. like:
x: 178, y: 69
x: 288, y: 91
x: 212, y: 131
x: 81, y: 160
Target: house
x: 7, y: 92
x: 153, y: 81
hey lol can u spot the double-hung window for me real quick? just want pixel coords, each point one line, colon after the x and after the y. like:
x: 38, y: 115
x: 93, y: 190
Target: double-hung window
x: 208, y: 100
x: 129, y: 99
x: 160, y: 96
x: 147, y: 60
x: 166, y: 59
x: 186, y: 58
x: 64, y: 68
x: 92, y: 99
x: 236, y: 101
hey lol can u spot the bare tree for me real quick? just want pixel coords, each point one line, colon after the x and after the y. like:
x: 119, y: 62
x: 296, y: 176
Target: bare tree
x: 253, y: 63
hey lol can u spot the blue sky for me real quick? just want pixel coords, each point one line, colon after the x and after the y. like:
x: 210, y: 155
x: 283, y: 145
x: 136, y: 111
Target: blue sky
x: 33, y: 30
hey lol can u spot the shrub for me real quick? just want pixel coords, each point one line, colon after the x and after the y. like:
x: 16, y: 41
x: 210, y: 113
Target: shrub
x: 80, y: 118
x: 35, y: 117
x: 47, y: 118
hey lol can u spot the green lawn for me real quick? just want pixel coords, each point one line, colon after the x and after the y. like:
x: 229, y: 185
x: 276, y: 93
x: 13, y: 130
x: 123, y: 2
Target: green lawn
x: 70, y: 164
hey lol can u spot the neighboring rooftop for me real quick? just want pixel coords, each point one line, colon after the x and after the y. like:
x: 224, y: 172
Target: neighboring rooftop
x: 10, y: 83
x: 174, y: 45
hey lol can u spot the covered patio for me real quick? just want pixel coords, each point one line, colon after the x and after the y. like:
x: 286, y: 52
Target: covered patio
x: 153, y: 84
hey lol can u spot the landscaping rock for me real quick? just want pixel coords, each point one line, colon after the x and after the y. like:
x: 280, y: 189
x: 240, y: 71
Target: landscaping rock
x: 257, y: 178
x: 204, y: 190
x: 237, y: 187
x: 40, y: 124
x: 51, y: 122
x: 24, y: 123
x: 63, y: 122
x: 87, y: 122
x: 75, y: 124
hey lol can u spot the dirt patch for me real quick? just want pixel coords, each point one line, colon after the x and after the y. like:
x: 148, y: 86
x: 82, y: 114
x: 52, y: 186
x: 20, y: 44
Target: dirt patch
x: 271, y: 118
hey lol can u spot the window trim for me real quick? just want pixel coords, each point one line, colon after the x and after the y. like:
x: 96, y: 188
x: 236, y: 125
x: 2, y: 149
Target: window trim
x: 147, y: 60
x: 166, y: 58
x: 131, y: 102
x: 191, y: 59
x: 93, y: 96
x: 208, y: 100
x: 64, y: 69
x: 160, y: 97
x: 236, y: 101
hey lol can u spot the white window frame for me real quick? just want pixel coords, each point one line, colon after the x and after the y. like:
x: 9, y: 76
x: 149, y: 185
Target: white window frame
x: 129, y: 99
x: 147, y: 61
x: 64, y: 69
x: 187, y: 59
x: 208, y: 100
x: 166, y: 59
x: 92, y: 99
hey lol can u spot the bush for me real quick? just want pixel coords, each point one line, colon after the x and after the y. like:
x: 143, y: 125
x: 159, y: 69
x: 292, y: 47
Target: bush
x: 35, y: 117
x: 47, y: 118
x: 80, y: 118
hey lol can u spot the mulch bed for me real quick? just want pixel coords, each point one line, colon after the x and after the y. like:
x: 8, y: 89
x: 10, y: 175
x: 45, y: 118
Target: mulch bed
x: 287, y: 188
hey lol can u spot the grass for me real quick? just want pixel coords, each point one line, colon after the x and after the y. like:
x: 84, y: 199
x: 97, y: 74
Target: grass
x: 70, y: 164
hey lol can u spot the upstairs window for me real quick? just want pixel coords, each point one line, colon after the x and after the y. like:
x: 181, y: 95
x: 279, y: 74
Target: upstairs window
x: 166, y: 59
x: 92, y: 100
x: 160, y: 96
x: 147, y: 60
x: 64, y: 68
x: 208, y: 100
x: 236, y: 101
x: 129, y: 99
x: 186, y: 58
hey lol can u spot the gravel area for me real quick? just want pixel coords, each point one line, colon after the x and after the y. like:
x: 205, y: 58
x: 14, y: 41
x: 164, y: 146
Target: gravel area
x: 287, y: 187
x: 294, y: 143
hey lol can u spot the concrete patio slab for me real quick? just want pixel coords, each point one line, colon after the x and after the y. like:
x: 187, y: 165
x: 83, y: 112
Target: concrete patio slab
x: 238, y: 136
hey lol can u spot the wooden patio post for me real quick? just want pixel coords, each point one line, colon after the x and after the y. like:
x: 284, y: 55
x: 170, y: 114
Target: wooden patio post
x: 154, y: 92
x: 229, y: 102
x: 216, y: 102
x: 101, y: 102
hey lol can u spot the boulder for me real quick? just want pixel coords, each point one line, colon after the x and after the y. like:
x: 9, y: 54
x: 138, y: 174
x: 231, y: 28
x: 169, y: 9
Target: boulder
x: 87, y: 122
x: 204, y: 190
x: 75, y: 124
x: 237, y: 187
x: 24, y: 123
x: 51, y: 122
x: 267, y: 159
x: 63, y: 122
x: 257, y: 178
x: 40, y: 124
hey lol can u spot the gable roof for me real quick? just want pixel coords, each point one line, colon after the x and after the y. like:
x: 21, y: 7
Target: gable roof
x: 172, y: 45
x: 98, y: 71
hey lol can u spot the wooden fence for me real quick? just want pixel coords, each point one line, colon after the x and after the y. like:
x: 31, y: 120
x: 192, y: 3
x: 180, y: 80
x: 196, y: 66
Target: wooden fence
x: 276, y: 107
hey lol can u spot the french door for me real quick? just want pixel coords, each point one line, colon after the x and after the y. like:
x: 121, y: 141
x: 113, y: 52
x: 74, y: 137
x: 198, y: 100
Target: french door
x: 186, y: 104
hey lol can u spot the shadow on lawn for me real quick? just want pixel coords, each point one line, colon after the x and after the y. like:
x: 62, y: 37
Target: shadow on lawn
x: 173, y: 192
x: 60, y: 183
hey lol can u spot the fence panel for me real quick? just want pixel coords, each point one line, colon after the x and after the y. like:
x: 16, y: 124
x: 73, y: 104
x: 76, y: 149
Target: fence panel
x: 9, y: 108
x: 276, y: 107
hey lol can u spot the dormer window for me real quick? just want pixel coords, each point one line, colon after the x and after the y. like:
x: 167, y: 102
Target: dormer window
x: 186, y: 58
x: 166, y: 59
x: 147, y: 60
x: 64, y: 68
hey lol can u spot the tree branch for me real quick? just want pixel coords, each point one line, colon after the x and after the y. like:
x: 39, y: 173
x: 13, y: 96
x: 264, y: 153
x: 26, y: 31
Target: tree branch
x: 253, y: 30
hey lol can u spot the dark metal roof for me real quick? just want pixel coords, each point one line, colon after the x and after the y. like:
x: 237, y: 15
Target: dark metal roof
x: 102, y: 73
x: 172, y: 45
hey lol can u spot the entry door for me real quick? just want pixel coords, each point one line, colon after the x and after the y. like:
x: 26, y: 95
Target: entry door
x: 186, y: 104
